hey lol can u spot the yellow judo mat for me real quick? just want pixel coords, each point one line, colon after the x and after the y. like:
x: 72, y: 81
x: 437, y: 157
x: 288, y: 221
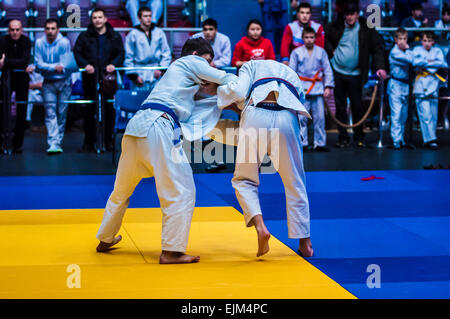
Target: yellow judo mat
x: 51, y: 254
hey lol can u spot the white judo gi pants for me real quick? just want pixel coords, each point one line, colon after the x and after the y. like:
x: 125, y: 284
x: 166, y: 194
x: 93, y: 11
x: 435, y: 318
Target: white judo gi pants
x: 154, y: 155
x: 427, y: 109
x: 398, y: 101
x: 314, y: 105
x: 283, y: 145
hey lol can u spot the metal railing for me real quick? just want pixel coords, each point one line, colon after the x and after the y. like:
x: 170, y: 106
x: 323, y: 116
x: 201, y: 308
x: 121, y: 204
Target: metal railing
x: 99, y: 114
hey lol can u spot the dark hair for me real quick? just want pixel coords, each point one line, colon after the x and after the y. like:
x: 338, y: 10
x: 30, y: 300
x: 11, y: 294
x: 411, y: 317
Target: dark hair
x: 143, y: 9
x: 200, y: 45
x: 210, y: 22
x: 308, y: 29
x: 446, y: 10
x: 416, y: 6
x: 98, y: 10
x: 428, y: 34
x: 304, y: 5
x: 254, y: 21
x: 51, y: 20
x: 400, y: 31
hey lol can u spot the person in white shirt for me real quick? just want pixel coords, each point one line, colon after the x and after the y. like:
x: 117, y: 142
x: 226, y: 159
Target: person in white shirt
x: 271, y: 97
x: 427, y: 60
x: 132, y: 7
x: 219, y: 42
x: 151, y: 147
x: 146, y: 46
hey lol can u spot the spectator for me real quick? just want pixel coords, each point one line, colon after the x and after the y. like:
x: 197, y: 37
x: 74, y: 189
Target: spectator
x: 98, y: 50
x: 416, y: 20
x: 311, y: 64
x: 253, y: 46
x: 133, y: 7
x: 443, y: 23
x: 219, y: 42
x: 274, y: 18
x: 34, y: 92
x: 427, y: 60
x: 400, y: 59
x: 146, y: 45
x: 351, y: 45
x: 15, y: 53
x: 402, y: 9
x: 292, y: 36
x: 51, y: 52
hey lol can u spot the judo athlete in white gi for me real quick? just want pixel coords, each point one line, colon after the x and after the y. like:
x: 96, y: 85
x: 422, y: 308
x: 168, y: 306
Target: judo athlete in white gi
x: 400, y: 59
x: 313, y: 67
x: 151, y: 147
x: 271, y: 97
x: 427, y: 60
x: 146, y: 46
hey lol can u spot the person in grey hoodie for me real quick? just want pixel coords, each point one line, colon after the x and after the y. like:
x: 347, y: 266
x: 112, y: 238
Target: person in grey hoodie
x: 52, y: 56
x: 146, y: 45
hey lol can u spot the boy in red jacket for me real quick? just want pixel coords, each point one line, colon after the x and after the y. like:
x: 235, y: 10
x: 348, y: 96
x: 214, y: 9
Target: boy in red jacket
x: 292, y: 36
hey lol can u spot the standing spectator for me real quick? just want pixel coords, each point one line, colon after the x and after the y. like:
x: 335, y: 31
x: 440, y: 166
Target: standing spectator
x: 51, y: 52
x: 15, y: 53
x: 98, y: 50
x: 416, y: 20
x: 274, y: 18
x: 155, y: 5
x: 352, y: 45
x: 427, y: 60
x: 220, y: 43
x: 311, y: 64
x: 292, y: 36
x: 146, y: 45
x: 443, y: 23
x: 400, y: 60
x: 253, y: 46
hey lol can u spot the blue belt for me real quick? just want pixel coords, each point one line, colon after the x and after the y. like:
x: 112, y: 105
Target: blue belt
x: 271, y: 106
x: 279, y: 80
x: 170, y: 112
x: 406, y: 81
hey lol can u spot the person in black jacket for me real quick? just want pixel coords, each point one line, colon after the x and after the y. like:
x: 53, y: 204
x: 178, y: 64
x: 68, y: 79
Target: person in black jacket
x: 351, y: 66
x: 15, y: 53
x: 98, y: 50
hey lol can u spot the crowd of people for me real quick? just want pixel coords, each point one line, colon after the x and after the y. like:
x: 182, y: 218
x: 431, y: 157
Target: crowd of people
x: 332, y: 61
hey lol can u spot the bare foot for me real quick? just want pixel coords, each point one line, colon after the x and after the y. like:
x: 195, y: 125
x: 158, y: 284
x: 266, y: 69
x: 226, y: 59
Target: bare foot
x: 263, y: 241
x: 305, y: 249
x: 173, y: 257
x: 102, y: 247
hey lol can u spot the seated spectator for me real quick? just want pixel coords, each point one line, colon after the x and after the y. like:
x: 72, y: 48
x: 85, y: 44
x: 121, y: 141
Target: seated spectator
x: 354, y: 49
x: 51, y: 52
x: 416, y: 20
x: 155, y: 5
x: 443, y: 23
x: 292, y: 36
x: 402, y: 9
x: 99, y: 50
x: 427, y: 60
x: 35, y: 92
x: 313, y: 67
x: 274, y: 18
x: 146, y: 45
x: 219, y: 42
x: 15, y: 53
x: 253, y: 46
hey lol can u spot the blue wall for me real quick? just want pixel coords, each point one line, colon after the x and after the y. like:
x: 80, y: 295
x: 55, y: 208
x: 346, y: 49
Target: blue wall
x: 232, y: 16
